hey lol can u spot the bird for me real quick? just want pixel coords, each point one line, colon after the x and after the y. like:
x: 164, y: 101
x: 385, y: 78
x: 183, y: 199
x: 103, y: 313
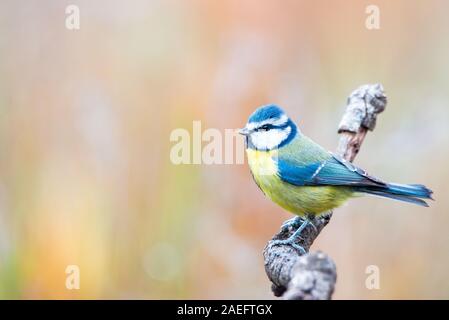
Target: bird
x: 305, y: 179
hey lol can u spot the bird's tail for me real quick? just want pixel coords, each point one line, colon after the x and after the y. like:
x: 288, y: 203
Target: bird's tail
x: 412, y: 193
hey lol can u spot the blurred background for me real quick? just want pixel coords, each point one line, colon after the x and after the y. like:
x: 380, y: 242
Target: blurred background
x: 85, y: 120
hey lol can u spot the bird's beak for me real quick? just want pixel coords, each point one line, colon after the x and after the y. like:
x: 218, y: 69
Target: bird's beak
x: 244, y: 131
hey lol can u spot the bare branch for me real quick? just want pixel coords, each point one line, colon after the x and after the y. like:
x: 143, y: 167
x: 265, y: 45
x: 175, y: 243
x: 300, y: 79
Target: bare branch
x: 364, y: 104
x: 313, y: 275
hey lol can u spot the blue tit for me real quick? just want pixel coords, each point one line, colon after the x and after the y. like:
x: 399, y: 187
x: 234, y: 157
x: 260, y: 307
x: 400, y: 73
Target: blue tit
x: 303, y: 178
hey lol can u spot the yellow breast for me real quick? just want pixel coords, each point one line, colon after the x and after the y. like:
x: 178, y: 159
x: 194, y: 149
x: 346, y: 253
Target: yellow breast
x: 299, y: 200
x: 261, y: 163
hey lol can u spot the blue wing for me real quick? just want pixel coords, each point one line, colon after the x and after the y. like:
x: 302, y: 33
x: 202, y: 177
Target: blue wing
x: 332, y: 171
x: 305, y: 163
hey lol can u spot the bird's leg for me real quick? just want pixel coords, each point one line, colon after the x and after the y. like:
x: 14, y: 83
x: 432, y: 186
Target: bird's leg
x: 311, y: 218
x: 292, y: 239
x: 294, y: 223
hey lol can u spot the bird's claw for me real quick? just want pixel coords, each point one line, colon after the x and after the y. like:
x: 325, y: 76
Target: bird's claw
x: 289, y: 242
x: 313, y: 226
x: 293, y: 223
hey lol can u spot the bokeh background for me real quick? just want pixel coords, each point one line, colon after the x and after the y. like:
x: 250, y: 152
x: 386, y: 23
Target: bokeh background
x: 85, y: 119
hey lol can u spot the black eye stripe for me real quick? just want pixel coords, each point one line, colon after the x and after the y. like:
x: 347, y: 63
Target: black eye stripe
x: 271, y: 126
x: 265, y: 127
x: 282, y: 126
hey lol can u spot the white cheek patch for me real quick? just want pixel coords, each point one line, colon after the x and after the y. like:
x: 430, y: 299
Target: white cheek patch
x: 268, y: 140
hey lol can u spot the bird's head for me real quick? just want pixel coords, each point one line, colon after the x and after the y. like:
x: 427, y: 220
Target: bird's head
x: 268, y: 128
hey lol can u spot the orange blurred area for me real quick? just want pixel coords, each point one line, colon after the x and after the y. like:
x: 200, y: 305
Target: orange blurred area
x: 85, y: 120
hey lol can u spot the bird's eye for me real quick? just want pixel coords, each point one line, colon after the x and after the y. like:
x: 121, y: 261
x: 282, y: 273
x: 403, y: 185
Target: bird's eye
x: 264, y: 128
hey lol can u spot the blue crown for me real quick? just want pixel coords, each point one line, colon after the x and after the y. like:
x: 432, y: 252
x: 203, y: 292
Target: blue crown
x: 270, y: 111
